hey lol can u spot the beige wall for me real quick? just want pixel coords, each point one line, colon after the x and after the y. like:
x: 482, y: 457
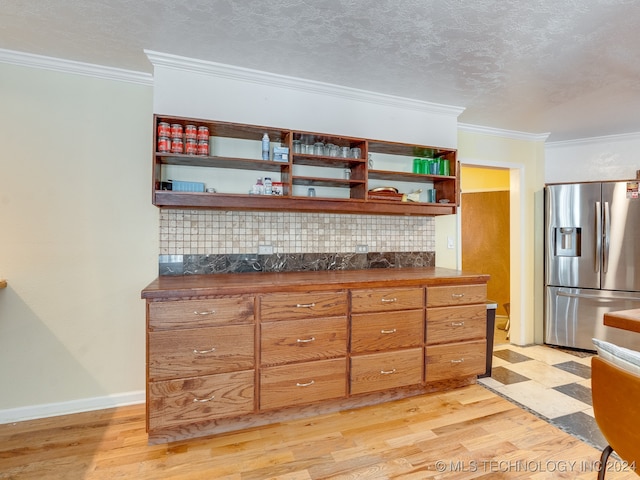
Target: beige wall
x: 525, y: 159
x: 78, y: 237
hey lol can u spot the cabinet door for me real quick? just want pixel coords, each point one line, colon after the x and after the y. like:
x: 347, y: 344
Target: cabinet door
x: 456, y: 324
x: 200, y: 351
x: 381, y: 371
x: 386, y: 299
x: 200, y: 313
x: 455, y: 360
x: 456, y: 295
x: 301, y: 383
x: 292, y: 306
x: 373, y: 332
x: 175, y: 403
x: 303, y: 340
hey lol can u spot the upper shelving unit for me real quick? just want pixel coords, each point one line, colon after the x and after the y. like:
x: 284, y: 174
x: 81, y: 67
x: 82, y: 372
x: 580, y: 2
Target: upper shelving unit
x: 215, y: 165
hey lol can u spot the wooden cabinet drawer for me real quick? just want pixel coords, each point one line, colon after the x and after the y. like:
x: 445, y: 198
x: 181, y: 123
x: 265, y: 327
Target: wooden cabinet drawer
x: 455, y: 360
x: 302, y: 383
x: 381, y: 371
x: 373, y: 332
x: 385, y: 299
x: 456, y: 324
x: 200, y: 351
x: 456, y: 295
x: 174, y: 403
x: 293, y: 306
x: 303, y: 340
x: 200, y: 313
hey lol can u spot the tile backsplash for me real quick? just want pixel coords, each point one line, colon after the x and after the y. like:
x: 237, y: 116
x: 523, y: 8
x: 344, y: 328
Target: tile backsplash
x: 213, y: 232
x: 211, y: 241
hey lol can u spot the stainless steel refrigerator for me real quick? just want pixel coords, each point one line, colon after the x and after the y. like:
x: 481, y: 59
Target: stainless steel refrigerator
x: 592, y: 261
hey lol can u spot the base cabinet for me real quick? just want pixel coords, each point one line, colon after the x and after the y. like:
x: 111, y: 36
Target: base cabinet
x: 296, y: 346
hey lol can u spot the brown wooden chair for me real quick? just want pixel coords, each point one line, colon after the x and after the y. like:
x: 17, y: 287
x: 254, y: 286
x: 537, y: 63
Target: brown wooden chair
x: 616, y: 405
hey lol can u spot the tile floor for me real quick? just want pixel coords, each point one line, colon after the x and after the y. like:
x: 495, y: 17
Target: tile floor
x: 552, y: 383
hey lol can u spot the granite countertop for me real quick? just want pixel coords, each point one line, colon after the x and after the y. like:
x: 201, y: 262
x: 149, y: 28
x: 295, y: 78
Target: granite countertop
x: 624, y: 319
x: 237, y: 283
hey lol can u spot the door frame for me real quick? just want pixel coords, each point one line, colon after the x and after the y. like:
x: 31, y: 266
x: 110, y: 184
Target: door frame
x: 521, y: 333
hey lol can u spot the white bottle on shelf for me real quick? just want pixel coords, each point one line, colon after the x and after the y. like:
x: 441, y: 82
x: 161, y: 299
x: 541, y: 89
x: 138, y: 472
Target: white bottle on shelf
x: 258, y: 188
x: 268, y: 186
x: 265, y: 147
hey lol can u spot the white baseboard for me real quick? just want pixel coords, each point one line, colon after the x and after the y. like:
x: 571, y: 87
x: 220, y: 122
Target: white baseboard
x: 19, y: 414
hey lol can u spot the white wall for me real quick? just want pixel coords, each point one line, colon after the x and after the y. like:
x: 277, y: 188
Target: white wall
x: 78, y: 240
x: 192, y: 88
x: 615, y: 157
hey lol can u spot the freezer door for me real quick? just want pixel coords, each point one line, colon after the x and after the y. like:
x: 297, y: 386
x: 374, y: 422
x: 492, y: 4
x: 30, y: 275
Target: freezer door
x: 572, y: 240
x: 621, y: 242
x: 574, y: 316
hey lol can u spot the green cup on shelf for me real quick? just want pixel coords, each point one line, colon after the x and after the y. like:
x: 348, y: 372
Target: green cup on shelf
x: 417, y: 165
x: 444, y: 166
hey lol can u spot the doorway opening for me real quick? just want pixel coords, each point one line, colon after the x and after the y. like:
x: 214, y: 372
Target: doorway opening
x: 489, y: 229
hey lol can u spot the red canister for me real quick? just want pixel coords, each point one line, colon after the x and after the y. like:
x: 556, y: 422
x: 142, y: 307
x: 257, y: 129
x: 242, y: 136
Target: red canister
x: 176, y: 145
x: 190, y: 146
x: 203, y: 147
x: 203, y: 134
x: 190, y: 132
x: 176, y: 130
x: 164, y: 144
x: 164, y: 129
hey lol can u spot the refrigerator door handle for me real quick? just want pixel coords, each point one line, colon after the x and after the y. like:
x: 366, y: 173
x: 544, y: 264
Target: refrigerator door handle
x: 598, y: 251
x: 607, y: 232
x: 599, y: 297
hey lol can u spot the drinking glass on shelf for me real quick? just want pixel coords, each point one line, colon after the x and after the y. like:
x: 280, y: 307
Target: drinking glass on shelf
x: 356, y: 152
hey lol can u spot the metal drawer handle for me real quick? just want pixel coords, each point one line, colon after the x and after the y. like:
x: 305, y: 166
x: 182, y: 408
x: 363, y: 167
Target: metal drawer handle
x: 387, y: 372
x: 457, y: 361
x: 389, y: 300
x: 384, y: 332
x: 203, y: 400
x: 457, y: 324
x: 210, y: 312
x: 305, y: 305
x: 457, y: 295
x: 202, y: 352
x: 306, y: 340
x: 305, y: 384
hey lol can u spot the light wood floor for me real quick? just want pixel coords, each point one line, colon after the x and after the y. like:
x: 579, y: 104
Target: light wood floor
x: 469, y: 433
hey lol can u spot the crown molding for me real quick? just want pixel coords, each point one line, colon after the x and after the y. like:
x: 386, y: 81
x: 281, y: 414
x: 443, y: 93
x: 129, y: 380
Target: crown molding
x: 595, y: 140
x: 71, y: 66
x: 498, y: 132
x: 233, y: 72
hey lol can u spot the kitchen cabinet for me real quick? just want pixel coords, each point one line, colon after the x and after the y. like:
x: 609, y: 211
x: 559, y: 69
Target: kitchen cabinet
x: 232, y: 351
x: 456, y: 343
x: 387, y: 336
x: 341, y: 184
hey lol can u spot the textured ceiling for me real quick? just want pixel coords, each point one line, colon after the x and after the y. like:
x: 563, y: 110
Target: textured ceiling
x: 568, y: 67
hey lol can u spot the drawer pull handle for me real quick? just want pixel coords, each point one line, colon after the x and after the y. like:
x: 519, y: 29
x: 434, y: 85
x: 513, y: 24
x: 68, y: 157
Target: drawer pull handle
x: 387, y: 372
x: 306, y: 340
x: 457, y: 324
x: 457, y: 361
x: 305, y: 305
x: 389, y: 300
x: 210, y: 312
x: 305, y: 384
x: 203, y: 400
x: 457, y: 295
x: 385, y: 332
x: 202, y: 352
